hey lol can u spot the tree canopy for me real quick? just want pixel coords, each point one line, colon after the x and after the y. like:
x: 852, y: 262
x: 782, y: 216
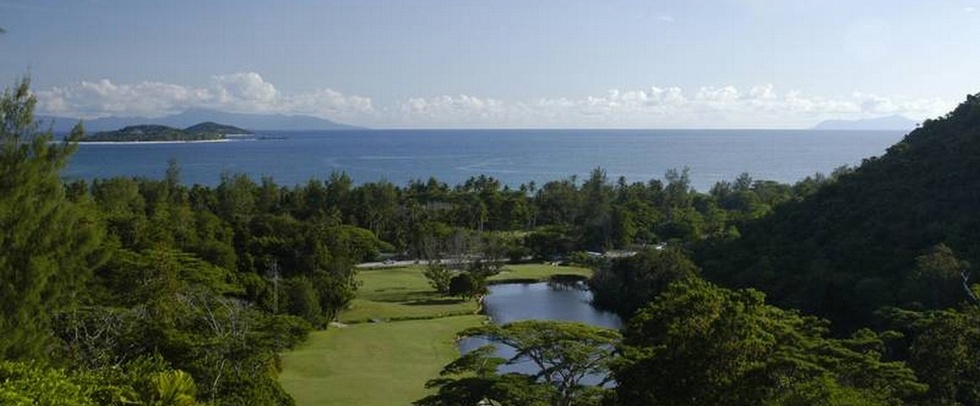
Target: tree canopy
x: 49, y: 244
x: 697, y: 343
x: 564, y: 355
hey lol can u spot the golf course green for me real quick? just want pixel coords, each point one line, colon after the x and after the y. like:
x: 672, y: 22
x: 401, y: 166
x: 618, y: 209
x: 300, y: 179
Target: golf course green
x: 397, y: 334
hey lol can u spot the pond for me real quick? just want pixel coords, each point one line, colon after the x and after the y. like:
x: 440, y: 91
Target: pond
x: 512, y: 302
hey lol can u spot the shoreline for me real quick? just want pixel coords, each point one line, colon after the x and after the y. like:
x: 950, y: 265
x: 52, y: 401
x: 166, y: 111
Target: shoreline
x: 151, y: 142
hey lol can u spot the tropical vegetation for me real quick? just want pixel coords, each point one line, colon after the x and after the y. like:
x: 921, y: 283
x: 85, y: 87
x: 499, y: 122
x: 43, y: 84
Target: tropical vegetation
x: 853, y: 288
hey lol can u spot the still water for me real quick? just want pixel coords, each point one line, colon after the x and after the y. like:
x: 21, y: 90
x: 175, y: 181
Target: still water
x: 512, y: 302
x: 517, y: 301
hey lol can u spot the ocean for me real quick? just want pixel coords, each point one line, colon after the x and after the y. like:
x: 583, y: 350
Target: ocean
x: 512, y: 156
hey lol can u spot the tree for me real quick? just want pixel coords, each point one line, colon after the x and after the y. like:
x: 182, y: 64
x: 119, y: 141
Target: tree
x: 700, y: 344
x: 49, y: 244
x: 943, y: 347
x: 439, y: 276
x: 565, y: 354
x: 473, y: 380
x: 630, y: 283
x: 302, y: 300
x: 467, y: 286
x: 938, y: 279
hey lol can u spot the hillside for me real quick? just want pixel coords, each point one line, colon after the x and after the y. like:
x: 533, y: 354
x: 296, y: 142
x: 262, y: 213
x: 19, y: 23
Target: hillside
x: 862, y: 242
x: 215, y: 128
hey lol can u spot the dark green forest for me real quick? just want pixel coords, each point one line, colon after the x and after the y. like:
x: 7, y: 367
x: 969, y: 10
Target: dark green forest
x: 851, y: 288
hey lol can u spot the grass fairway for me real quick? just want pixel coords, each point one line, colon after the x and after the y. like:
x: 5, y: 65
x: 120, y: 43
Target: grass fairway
x: 400, y: 294
x: 538, y: 272
x: 404, y: 293
x: 388, y: 363
x: 371, y: 363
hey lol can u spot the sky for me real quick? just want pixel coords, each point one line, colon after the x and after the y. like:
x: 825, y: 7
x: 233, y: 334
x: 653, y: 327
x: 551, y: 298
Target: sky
x: 499, y: 63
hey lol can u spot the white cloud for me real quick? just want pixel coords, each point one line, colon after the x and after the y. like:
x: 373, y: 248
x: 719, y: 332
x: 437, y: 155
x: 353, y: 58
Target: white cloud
x: 761, y: 106
x: 706, y: 107
x: 245, y: 92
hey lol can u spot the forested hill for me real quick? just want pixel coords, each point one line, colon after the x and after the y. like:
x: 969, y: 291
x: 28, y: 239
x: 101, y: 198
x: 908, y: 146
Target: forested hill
x: 144, y: 133
x: 892, y: 232
x: 215, y: 128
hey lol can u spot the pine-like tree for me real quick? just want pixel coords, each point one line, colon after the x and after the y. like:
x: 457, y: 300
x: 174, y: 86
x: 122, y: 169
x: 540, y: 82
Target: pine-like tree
x: 48, y: 244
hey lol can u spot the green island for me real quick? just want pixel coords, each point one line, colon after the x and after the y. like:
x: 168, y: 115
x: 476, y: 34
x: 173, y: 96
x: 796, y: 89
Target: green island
x: 853, y: 288
x: 206, y: 131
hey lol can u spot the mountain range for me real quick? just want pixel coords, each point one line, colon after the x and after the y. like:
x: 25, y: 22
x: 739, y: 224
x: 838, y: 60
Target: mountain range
x: 254, y: 122
x: 893, y: 122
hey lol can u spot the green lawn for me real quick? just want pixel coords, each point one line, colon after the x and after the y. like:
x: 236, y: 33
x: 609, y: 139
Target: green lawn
x: 399, y: 294
x: 388, y: 363
x: 372, y: 363
x: 539, y: 272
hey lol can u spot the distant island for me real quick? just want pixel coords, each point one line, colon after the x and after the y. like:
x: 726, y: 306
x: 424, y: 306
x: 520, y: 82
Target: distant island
x: 208, y: 131
x: 255, y: 122
x: 889, y: 123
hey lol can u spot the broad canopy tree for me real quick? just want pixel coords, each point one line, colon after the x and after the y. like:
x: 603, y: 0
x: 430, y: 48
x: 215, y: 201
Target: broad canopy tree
x: 701, y: 344
x: 565, y: 355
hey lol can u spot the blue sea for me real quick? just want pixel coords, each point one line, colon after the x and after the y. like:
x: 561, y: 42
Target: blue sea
x: 512, y: 156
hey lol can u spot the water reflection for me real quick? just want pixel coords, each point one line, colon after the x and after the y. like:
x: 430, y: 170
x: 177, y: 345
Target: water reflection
x: 566, y: 301
x: 514, y: 302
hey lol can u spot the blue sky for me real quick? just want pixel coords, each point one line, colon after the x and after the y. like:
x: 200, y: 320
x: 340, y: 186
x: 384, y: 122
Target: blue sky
x: 460, y: 63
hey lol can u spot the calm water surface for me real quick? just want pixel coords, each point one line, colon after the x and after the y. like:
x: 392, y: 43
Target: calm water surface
x: 515, y: 302
x: 512, y: 156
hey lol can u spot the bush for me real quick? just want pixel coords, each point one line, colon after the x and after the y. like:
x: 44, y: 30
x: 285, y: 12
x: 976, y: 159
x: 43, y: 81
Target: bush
x: 27, y: 383
x: 466, y: 286
x: 439, y: 276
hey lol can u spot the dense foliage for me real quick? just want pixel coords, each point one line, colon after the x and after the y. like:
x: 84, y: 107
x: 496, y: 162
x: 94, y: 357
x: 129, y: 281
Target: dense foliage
x: 209, y: 283
x: 122, y: 291
x: 562, y: 356
x: 627, y: 284
x: 893, y: 232
x: 700, y: 344
x: 49, y: 244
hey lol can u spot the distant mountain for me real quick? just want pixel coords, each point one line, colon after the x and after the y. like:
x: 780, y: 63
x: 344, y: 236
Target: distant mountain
x: 254, y: 122
x: 893, y: 122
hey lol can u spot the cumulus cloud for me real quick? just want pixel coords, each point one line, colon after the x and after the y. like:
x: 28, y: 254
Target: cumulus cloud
x: 655, y: 107
x: 762, y: 106
x: 245, y: 92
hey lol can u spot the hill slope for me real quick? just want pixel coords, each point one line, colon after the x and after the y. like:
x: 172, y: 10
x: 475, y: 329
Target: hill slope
x: 154, y: 132
x: 859, y: 243
x: 215, y: 128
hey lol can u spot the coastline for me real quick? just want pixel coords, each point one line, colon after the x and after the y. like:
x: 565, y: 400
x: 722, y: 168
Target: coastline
x: 151, y: 142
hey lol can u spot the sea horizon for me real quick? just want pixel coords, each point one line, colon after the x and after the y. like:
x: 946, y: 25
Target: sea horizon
x: 514, y: 157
